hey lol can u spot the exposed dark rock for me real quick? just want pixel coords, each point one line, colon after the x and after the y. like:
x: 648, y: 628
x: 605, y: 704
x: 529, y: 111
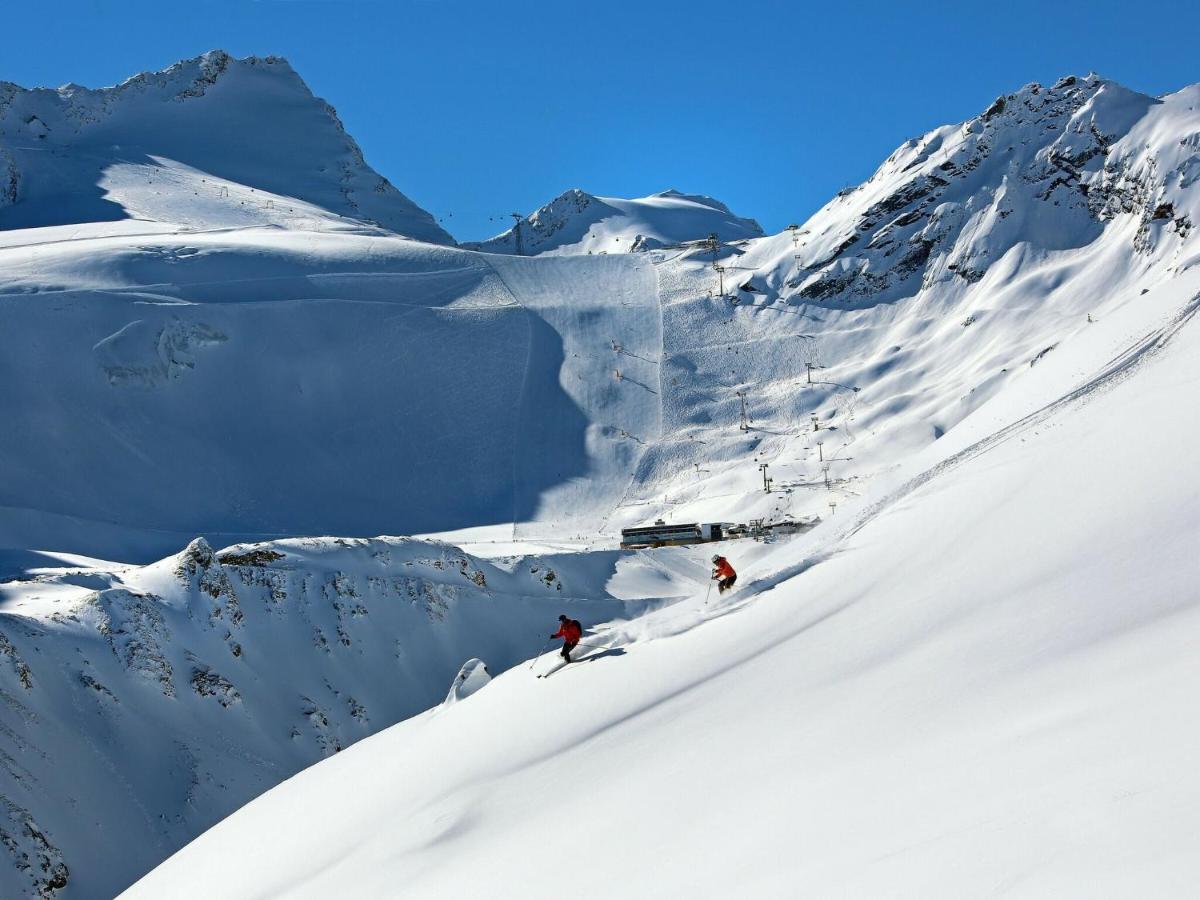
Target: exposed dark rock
x: 915, y: 258
x: 260, y: 557
x: 208, y: 683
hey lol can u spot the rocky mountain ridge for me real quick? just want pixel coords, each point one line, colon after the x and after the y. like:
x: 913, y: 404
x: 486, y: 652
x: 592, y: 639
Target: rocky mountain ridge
x: 143, y: 704
x: 1047, y: 168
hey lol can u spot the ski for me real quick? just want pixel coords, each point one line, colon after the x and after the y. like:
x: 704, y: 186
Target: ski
x: 561, y: 665
x: 574, y: 662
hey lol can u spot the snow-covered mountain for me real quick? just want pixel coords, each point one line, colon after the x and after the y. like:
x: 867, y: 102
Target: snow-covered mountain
x: 577, y: 222
x: 942, y: 282
x: 1042, y: 170
x: 923, y: 364
x: 210, y: 142
x: 575, y: 393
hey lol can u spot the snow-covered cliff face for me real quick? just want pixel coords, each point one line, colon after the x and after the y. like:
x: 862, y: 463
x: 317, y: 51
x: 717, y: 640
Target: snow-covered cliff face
x: 144, y: 704
x: 577, y: 222
x: 209, y: 142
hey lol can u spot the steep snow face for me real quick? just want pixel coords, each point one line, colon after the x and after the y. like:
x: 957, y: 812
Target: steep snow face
x: 209, y: 142
x: 975, y: 686
x: 144, y: 704
x: 577, y: 222
x: 264, y: 383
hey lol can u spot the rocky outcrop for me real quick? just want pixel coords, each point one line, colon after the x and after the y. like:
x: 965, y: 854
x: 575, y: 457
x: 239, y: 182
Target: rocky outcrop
x: 34, y: 855
x: 940, y: 207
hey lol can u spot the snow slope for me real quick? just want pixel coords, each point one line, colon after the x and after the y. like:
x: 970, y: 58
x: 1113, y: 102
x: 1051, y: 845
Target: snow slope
x: 577, y: 222
x: 209, y: 142
x: 144, y: 704
x: 975, y: 686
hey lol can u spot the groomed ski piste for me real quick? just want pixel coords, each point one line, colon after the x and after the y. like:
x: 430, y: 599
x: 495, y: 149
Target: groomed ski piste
x: 972, y: 373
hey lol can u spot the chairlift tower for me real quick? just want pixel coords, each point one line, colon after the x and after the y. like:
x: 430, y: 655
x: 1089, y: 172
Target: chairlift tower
x: 517, y: 232
x: 745, y: 425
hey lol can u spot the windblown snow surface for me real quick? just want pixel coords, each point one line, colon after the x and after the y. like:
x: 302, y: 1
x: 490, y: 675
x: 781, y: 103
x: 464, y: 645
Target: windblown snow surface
x: 977, y: 369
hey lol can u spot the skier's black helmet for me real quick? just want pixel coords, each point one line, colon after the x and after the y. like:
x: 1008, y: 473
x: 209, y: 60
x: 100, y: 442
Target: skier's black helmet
x: 562, y: 618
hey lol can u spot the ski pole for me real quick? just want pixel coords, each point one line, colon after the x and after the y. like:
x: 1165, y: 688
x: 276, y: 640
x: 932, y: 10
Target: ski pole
x: 539, y: 653
x: 708, y: 593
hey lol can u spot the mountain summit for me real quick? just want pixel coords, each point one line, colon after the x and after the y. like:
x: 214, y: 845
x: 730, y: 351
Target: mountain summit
x: 579, y: 222
x: 208, y: 142
x: 1044, y: 168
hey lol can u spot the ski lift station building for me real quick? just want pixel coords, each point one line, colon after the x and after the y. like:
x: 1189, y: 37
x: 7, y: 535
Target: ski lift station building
x: 660, y: 534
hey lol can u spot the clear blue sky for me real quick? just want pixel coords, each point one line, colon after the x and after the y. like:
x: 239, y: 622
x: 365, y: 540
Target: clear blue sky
x: 477, y: 109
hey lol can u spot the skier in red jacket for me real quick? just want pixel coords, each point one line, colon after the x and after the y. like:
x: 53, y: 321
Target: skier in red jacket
x: 723, y: 573
x: 570, y: 631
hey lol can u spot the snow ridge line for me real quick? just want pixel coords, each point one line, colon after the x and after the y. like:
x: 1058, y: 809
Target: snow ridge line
x: 267, y: 279
x: 1118, y: 369
x: 179, y: 232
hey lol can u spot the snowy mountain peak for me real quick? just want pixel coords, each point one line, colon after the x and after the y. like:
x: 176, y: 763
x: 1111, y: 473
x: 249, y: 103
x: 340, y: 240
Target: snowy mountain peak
x: 578, y: 222
x: 698, y: 199
x: 212, y: 141
x: 1045, y: 168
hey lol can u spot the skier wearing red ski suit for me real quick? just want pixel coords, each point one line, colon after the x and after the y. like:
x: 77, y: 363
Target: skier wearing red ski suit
x: 723, y: 573
x: 570, y: 631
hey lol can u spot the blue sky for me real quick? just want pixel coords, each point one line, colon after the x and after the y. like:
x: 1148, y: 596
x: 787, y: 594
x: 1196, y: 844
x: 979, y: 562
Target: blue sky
x: 479, y: 109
